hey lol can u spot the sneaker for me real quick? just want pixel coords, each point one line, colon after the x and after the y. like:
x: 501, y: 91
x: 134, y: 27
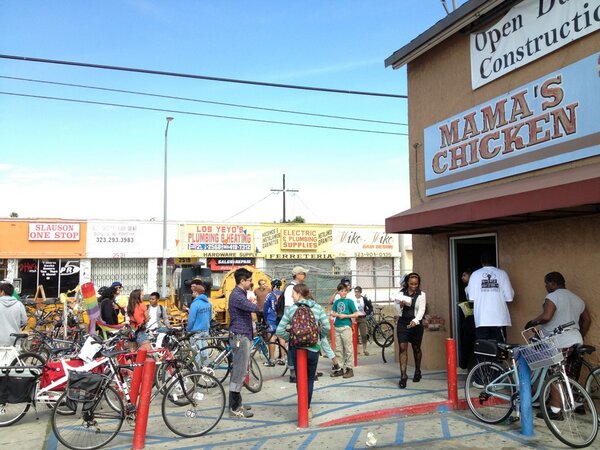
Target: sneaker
x: 337, y: 373
x: 281, y: 362
x: 240, y: 413
x: 319, y: 374
x: 580, y: 410
x: 335, y: 367
x: 269, y: 364
x: 551, y: 415
x: 366, y: 353
x: 292, y: 379
x: 247, y: 408
x: 349, y: 373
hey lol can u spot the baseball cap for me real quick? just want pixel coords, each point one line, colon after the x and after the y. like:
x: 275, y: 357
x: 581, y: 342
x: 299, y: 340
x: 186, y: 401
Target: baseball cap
x: 299, y: 269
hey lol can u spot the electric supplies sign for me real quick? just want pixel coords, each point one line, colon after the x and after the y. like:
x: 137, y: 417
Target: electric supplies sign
x: 530, y: 30
x: 54, y: 232
x: 548, y: 122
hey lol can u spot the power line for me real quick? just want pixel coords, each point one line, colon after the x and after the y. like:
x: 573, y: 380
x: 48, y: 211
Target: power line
x: 198, y: 77
x: 171, y: 97
x: 247, y: 208
x: 217, y: 116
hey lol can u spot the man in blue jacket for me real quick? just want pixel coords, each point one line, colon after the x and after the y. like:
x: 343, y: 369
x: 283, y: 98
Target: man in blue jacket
x: 199, y: 319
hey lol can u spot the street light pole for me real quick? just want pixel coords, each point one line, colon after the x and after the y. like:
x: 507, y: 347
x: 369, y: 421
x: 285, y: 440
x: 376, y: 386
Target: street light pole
x: 164, y: 252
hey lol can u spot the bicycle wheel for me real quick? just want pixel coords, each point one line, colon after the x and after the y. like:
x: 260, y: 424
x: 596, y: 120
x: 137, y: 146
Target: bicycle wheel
x: 28, y: 359
x: 490, y: 403
x: 12, y: 412
x: 382, y: 331
x: 592, y: 386
x: 254, y: 380
x: 87, y: 430
x: 219, y: 363
x: 385, y: 349
x: 199, y: 405
x: 576, y: 424
x: 272, y: 367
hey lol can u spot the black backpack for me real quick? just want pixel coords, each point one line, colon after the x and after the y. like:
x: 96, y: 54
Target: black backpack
x: 280, y: 306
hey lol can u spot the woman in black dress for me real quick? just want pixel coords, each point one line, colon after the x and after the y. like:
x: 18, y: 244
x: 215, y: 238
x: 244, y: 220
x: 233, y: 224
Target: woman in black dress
x: 410, y: 306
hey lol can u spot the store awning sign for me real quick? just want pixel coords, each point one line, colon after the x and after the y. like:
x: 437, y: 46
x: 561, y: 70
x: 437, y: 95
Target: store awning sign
x: 54, y: 232
x: 530, y: 30
x: 551, y: 121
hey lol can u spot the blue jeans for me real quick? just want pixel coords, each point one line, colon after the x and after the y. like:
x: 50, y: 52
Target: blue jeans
x: 198, y: 341
x: 312, y: 360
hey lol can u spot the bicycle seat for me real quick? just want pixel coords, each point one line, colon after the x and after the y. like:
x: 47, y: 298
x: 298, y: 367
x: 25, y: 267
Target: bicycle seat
x: 51, y: 301
x: 113, y: 353
x: 584, y: 349
x: 19, y: 335
x: 507, y: 346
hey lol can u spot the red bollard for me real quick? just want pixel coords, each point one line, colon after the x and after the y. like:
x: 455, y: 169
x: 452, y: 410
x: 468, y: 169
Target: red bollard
x: 302, y: 385
x: 452, y: 375
x: 141, y: 420
x: 332, y: 334
x: 355, y: 342
x: 137, y: 375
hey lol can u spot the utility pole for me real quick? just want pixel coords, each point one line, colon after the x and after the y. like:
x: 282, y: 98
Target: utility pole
x: 284, y: 190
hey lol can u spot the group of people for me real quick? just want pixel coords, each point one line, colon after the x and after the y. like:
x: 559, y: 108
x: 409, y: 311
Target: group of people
x: 116, y: 309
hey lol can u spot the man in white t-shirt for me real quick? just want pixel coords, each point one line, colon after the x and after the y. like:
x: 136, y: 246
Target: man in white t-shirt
x: 299, y: 275
x: 159, y: 317
x: 562, y: 306
x: 490, y: 290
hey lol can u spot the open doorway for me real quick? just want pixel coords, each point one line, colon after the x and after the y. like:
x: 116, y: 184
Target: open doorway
x: 465, y: 252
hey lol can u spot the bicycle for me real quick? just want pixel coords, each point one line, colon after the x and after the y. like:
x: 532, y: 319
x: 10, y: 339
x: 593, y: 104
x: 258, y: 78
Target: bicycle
x: 592, y: 381
x: 220, y: 362
x: 492, y: 391
x: 90, y: 413
x: 379, y: 327
x: 272, y: 367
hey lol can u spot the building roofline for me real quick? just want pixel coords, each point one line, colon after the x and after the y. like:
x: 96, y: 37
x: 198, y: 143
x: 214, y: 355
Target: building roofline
x: 458, y: 19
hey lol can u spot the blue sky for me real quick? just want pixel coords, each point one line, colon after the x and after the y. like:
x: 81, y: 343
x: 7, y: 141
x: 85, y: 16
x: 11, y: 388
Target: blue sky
x: 73, y: 160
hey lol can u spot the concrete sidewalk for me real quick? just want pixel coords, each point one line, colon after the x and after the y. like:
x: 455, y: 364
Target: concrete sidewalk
x: 345, y: 410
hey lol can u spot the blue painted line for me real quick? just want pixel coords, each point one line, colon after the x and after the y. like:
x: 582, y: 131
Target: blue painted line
x: 491, y: 429
x: 311, y: 437
x: 259, y: 444
x: 443, y: 408
x: 399, y: 434
x: 352, y: 443
x: 445, y: 428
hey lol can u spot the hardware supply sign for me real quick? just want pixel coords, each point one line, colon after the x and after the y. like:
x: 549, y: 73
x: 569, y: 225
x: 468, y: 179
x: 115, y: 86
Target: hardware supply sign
x: 551, y: 121
x: 530, y: 30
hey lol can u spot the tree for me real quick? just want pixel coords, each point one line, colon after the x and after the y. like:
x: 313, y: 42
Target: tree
x: 14, y: 214
x: 298, y: 219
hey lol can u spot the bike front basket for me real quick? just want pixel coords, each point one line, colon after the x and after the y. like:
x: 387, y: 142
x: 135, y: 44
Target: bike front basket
x: 540, y: 354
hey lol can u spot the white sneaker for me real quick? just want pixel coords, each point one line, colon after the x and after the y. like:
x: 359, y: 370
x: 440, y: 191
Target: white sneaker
x: 240, y: 413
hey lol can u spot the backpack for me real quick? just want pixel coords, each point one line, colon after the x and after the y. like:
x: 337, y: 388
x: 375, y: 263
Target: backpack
x: 280, y: 305
x: 304, y: 331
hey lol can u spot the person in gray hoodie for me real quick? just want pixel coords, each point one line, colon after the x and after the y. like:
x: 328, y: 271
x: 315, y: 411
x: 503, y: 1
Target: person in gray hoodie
x: 12, y: 315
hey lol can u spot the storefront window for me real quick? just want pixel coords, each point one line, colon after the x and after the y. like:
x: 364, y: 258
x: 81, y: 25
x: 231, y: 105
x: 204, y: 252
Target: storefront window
x: 56, y: 275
